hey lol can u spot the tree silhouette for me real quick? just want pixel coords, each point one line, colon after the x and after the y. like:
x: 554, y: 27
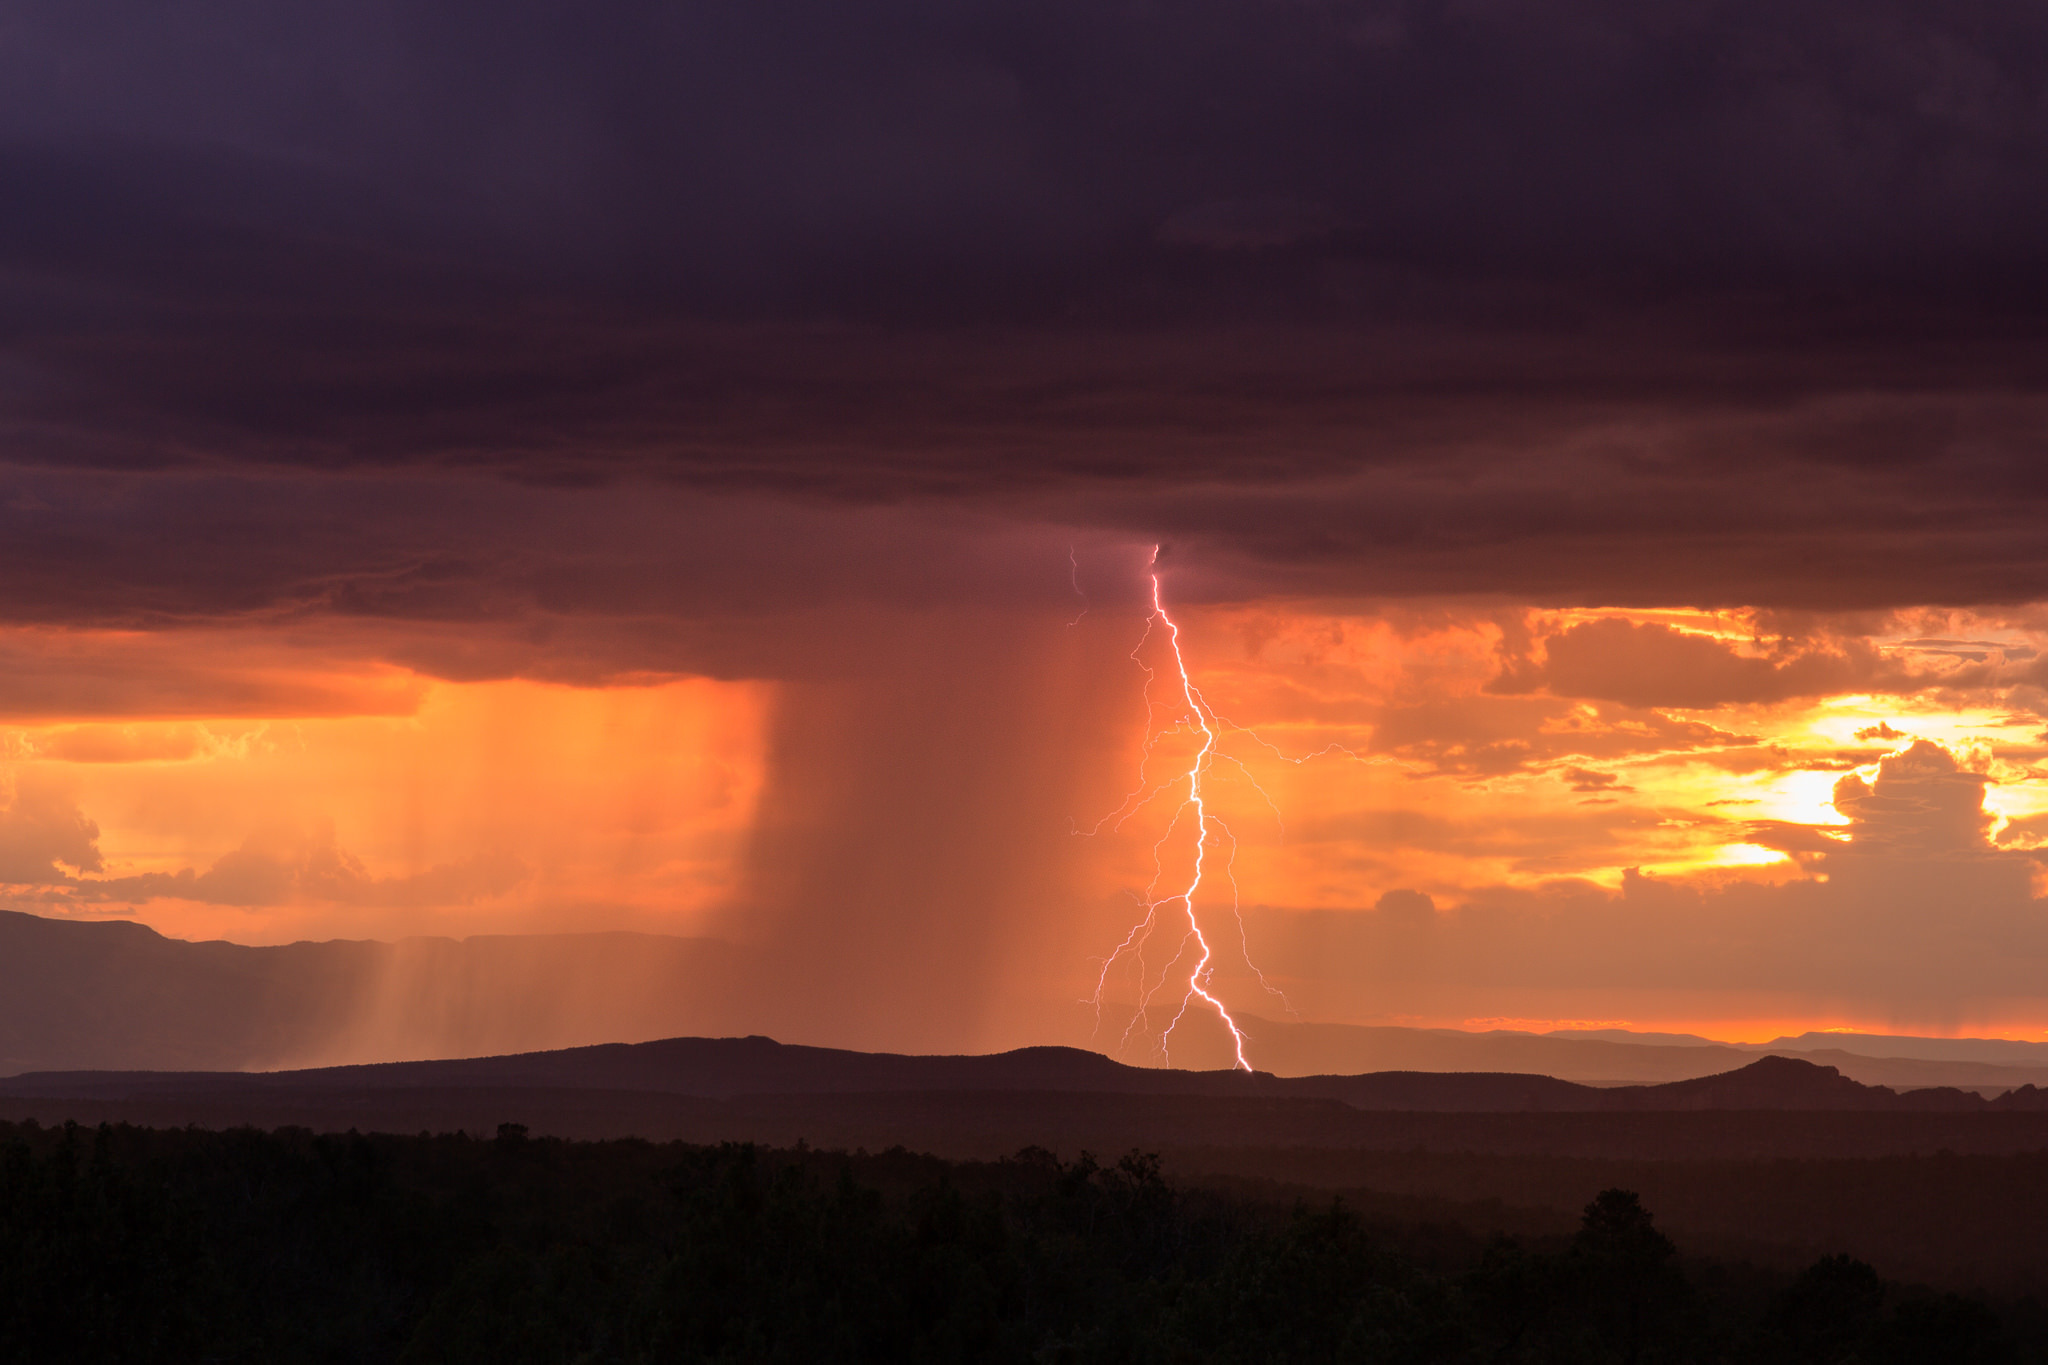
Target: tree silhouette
x: 1827, y: 1315
x: 1630, y: 1291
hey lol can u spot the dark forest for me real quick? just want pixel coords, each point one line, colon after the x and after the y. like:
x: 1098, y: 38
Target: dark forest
x: 133, y: 1244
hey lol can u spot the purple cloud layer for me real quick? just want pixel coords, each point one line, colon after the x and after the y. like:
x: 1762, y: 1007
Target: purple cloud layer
x: 402, y: 311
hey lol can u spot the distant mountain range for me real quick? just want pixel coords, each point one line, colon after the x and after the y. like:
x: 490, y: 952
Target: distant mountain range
x: 115, y: 995
x: 1998, y: 1051
x: 728, y: 1068
x: 1613, y: 1057
x: 755, y: 1089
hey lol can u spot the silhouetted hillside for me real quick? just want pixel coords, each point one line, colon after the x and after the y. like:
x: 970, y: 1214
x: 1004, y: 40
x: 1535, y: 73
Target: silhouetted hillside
x: 1769, y: 1083
x: 709, y: 1067
x: 1784, y: 1083
x: 1616, y: 1057
x: 734, y: 1068
x: 1296, y: 1049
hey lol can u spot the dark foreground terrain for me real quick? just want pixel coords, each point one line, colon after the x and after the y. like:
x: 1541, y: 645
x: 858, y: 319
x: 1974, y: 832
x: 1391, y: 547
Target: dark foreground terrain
x: 1777, y: 1163
x: 132, y: 1244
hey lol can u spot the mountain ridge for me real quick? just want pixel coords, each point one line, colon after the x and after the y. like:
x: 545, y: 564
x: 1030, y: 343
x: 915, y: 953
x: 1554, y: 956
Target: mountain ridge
x: 728, y: 1068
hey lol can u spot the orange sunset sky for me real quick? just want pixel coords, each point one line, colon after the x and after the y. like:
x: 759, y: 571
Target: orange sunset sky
x: 1443, y: 813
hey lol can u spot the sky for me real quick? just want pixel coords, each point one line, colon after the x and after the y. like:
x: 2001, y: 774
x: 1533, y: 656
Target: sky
x: 698, y: 468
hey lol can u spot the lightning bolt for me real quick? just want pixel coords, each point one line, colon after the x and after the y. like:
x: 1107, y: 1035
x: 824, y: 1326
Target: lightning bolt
x: 1209, y: 832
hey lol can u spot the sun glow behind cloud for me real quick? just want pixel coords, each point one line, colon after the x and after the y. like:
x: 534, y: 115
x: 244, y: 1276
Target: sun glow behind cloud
x: 1449, y: 754
x: 1435, y: 776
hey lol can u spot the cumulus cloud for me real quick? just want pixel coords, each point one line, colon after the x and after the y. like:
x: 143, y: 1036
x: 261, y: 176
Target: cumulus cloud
x: 1922, y: 803
x: 41, y: 829
x: 1923, y: 810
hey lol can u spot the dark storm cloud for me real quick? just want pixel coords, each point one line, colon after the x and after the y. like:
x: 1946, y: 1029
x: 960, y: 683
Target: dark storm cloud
x: 1709, y: 302
x: 958, y: 157
x: 217, y: 592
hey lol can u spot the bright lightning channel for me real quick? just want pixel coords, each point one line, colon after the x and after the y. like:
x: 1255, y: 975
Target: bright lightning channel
x: 1158, y: 909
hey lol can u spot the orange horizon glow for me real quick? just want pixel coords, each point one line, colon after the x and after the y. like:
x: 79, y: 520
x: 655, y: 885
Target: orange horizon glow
x: 1363, y: 754
x: 619, y: 805
x: 1744, y: 1031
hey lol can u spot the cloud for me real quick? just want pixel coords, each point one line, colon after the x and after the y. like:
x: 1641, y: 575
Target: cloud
x: 130, y: 674
x: 1923, y: 809
x: 1490, y: 735
x: 1901, y: 953
x: 1907, y: 914
x: 203, y: 595
x: 283, y: 867
x: 791, y: 154
x: 1457, y: 845
x: 1587, y: 780
x: 1247, y: 224
x: 1923, y: 803
x: 1528, y: 325
x: 1651, y: 665
x: 40, y: 829
x: 120, y: 744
